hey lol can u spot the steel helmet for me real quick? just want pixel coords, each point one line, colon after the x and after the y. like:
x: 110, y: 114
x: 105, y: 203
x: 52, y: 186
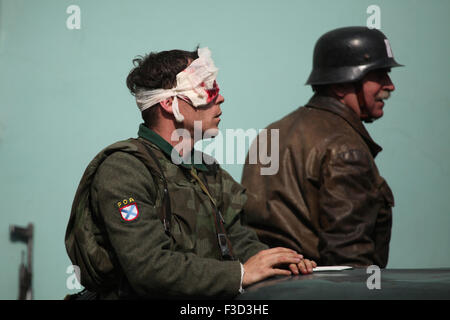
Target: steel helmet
x: 348, y: 54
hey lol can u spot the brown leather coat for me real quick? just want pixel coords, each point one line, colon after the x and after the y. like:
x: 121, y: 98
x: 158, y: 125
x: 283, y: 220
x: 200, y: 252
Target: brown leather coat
x: 328, y: 200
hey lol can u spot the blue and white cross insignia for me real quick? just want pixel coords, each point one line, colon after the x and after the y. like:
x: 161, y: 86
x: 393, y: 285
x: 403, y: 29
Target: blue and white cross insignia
x: 129, y: 212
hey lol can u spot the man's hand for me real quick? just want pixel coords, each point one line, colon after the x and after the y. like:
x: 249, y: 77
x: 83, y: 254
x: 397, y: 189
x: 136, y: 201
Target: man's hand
x: 305, y: 267
x: 264, y: 264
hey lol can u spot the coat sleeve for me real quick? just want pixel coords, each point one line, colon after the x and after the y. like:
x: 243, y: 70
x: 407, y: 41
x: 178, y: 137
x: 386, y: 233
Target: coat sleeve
x: 142, y: 247
x: 349, y: 202
x: 383, y: 226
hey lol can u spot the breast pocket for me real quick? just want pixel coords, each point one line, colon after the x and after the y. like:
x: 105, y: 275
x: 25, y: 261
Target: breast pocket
x: 184, y: 218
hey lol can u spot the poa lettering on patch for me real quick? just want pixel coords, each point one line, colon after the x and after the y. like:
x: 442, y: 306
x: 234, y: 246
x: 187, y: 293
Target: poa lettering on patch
x: 128, y: 209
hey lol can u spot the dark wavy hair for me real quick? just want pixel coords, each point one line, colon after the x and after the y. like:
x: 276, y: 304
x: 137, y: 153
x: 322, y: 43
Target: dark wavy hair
x: 157, y: 70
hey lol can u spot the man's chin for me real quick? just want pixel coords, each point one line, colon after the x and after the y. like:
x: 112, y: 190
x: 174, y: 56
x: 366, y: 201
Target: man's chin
x: 211, y: 133
x: 368, y: 118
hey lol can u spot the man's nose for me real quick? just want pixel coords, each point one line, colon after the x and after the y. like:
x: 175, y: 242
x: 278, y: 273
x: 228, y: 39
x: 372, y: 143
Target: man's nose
x: 220, y: 99
x: 388, y: 85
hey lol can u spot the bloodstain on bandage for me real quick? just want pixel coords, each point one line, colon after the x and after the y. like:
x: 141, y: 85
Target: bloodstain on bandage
x: 213, y: 92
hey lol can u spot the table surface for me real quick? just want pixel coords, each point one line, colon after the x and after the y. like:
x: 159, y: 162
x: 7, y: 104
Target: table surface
x: 395, y: 284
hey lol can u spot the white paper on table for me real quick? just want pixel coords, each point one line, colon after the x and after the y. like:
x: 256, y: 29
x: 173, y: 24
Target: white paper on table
x: 331, y: 268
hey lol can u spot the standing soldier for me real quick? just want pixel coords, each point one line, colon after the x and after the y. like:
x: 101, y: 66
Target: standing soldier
x: 328, y: 200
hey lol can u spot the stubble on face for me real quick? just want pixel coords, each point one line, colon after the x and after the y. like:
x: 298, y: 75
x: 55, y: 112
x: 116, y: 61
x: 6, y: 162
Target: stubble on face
x: 205, y: 118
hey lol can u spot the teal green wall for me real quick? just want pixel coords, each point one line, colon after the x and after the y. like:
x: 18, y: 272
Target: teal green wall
x: 63, y: 98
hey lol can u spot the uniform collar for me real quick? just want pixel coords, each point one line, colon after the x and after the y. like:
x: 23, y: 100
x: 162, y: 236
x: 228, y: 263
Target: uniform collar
x: 151, y: 136
x: 333, y: 105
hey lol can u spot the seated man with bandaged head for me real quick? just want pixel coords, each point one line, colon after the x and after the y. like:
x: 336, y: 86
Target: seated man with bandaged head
x: 153, y: 221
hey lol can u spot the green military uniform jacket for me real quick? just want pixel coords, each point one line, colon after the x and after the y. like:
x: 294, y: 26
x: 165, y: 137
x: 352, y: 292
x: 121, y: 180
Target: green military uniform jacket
x: 122, y: 203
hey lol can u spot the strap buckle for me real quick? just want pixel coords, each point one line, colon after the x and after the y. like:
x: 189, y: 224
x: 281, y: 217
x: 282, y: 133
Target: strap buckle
x: 223, y: 245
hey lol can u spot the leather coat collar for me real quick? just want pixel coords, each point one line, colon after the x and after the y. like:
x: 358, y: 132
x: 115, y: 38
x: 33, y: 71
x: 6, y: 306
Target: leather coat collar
x: 332, y: 105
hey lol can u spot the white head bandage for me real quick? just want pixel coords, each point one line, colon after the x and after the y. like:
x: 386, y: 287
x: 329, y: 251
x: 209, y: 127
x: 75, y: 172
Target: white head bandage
x: 197, y: 82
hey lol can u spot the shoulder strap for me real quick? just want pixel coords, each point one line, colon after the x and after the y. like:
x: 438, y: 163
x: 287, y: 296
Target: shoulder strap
x: 224, y: 243
x: 149, y: 159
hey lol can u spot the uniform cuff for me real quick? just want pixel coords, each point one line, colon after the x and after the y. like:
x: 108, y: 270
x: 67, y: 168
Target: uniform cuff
x: 241, y: 290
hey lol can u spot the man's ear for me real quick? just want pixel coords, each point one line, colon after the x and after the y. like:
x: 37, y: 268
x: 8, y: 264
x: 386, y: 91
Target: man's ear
x: 167, y: 105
